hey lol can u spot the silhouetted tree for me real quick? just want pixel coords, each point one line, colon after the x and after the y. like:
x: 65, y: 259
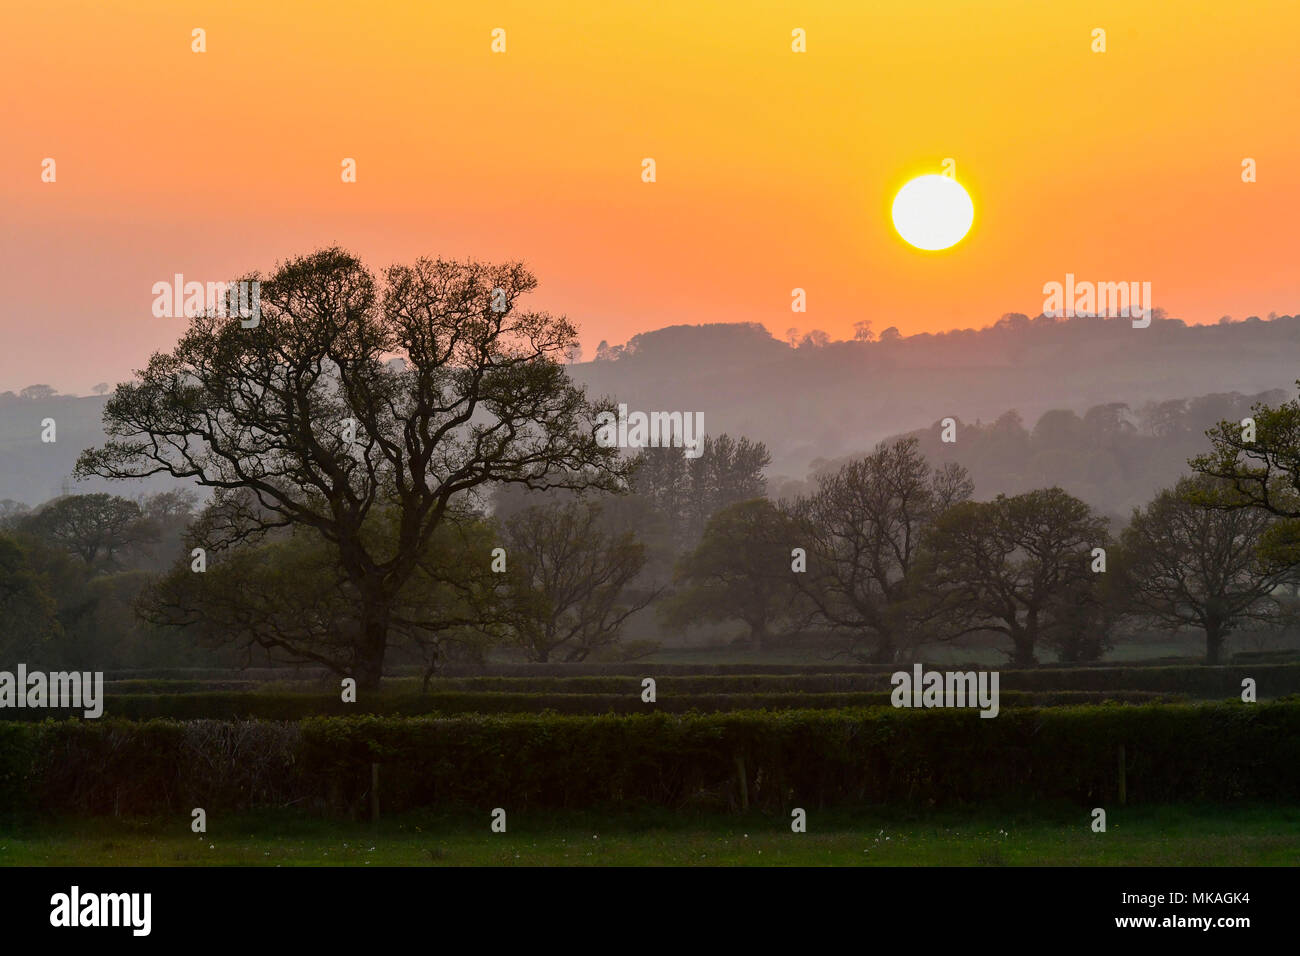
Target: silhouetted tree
x: 307, y: 415
x: 567, y: 580
x: 862, y: 531
x: 1018, y: 566
x: 91, y: 526
x: 289, y: 595
x: 686, y: 492
x: 167, y: 515
x: 1188, y: 561
x: 740, y: 570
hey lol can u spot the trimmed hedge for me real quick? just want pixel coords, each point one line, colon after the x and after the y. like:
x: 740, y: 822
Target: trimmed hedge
x: 1199, y: 681
x: 291, y: 706
x: 1272, y: 680
x: 1175, y: 753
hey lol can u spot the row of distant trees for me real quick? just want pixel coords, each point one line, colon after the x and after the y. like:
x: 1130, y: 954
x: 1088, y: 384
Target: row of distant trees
x: 888, y: 551
x: 795, y: 338
x: 893, y: 552
x: 39, y: 393
x: 1040, y: 329
x: 1111, y: 455
x: 71, y: 572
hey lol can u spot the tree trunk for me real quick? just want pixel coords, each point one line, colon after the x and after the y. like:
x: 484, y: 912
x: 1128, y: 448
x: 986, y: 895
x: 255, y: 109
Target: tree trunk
x: 884, y: 651
x: 1026, y: 638
x: 1023, y: 639
x: 1213, y: 641
x: 370, y: 656
x: 428, y: 674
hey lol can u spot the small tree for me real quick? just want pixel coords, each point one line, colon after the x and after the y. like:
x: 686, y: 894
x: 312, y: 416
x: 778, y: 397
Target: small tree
x: 91, y: 526
x: 862, y: 532
x: 739, y: 571
x: 1018, y: 566
x: 567, y: 580
x: 687, y: 492
x: 1187, y: 560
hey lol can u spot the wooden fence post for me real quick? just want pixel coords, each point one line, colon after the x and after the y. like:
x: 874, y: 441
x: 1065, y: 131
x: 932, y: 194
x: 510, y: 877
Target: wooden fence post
x: 1123, y: 777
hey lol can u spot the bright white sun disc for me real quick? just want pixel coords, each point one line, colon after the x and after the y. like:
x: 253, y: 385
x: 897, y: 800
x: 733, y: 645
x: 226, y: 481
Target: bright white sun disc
x: 933, y: 212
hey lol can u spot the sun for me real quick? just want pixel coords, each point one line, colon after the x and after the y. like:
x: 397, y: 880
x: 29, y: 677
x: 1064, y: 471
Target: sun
x: 933, y: 212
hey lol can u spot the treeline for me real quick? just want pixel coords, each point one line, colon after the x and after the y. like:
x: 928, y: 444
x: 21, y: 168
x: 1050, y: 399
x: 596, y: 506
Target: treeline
x: 101, y: 582
x: 72, y: 572
x: 403, y: 472
x: 283, y: 706
x: 1113, y: 456
x: 890, y: 552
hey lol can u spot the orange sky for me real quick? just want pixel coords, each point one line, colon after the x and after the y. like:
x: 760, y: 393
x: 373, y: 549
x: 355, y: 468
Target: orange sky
x: 775, y: 169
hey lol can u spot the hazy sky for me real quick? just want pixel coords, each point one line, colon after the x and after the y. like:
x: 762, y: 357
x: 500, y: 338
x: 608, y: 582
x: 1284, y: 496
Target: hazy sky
x: 775, y: 170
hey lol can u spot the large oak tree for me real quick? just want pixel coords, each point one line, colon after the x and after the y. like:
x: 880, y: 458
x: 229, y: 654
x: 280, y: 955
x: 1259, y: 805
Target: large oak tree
x: 355, y: 395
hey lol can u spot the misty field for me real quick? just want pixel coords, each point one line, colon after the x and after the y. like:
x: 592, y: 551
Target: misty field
x: 1151, y: 836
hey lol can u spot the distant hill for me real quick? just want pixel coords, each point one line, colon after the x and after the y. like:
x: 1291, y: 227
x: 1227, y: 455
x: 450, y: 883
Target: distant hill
x: 823, y: 402
x: 1113, y: 456
x: 33, y: 471
x: 841, y: 398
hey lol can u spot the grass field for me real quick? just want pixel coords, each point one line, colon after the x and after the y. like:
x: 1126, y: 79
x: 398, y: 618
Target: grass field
x: 1153, y: 836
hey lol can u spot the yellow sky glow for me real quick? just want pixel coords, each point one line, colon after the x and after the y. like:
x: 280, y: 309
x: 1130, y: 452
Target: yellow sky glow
x: 775, y: 170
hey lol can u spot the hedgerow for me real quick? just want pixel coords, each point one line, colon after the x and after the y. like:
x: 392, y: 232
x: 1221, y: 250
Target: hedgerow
x: 850, y: 757
x: 1273, y: 680
x: 295, y: 706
